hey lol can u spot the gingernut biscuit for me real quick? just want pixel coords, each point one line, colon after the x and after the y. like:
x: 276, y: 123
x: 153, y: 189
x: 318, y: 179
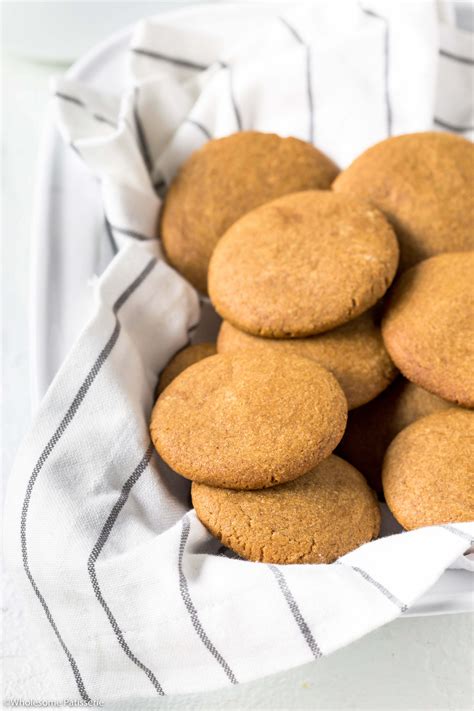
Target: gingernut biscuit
x: 182, y: 360
x: 302, y: 264
x: 428, y: 327
x: 248, y: 420
x: 354, y: 353
x: 372, y: 427
x: 423, y: 183
x: 428, y: 470
x: 225, y: 179
x: 317, y: 518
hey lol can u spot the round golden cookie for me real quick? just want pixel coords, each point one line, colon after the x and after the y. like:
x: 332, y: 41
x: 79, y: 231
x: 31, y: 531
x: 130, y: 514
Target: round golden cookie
x: 354, y: 353
x: 428, y: 470
x: 248, y: 420
x: 317, y: 518
x: 428, y: 327
x: 225, y: 179
x: 302, y: 264
x: 182, y: 360
x: 423, y: 183
x: 371, y: 428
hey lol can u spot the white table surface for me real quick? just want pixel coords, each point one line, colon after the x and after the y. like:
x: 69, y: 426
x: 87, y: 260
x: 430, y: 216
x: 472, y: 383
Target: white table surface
x: 415, y: 663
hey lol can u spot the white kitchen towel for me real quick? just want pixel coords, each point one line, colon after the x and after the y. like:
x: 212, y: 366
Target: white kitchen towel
x: 129, y: 593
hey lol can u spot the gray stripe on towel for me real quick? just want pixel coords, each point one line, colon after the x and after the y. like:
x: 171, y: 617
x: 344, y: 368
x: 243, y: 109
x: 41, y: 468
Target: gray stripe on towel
x: 178, y: 61
x: 457, y: 532
x: 456, y: 57
x: 184, y: 590
x: 381, y: 588
x: 199, y: 126
x: 101, y: 541
x: 64, y: 424
x: 295, y: 611
x: 451, y: 126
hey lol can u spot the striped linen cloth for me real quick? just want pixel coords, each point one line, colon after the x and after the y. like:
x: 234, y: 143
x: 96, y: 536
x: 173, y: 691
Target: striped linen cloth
x: 128, y: 592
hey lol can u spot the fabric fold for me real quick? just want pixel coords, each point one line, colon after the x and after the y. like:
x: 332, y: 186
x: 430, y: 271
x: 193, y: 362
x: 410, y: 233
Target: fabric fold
x: 129, y: 592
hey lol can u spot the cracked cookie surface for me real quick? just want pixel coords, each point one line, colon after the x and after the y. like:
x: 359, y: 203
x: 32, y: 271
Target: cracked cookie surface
x: 423, y: 183
x: 317, y: 518
x: 222, y: 181
x: 248, y: 420
x: 354, y: 353
x: 428, y: 472
x: 302, y: 264
x: 428, y: 326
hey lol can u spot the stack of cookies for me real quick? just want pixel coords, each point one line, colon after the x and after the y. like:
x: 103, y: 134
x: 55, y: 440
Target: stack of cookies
x: 297, y: 259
